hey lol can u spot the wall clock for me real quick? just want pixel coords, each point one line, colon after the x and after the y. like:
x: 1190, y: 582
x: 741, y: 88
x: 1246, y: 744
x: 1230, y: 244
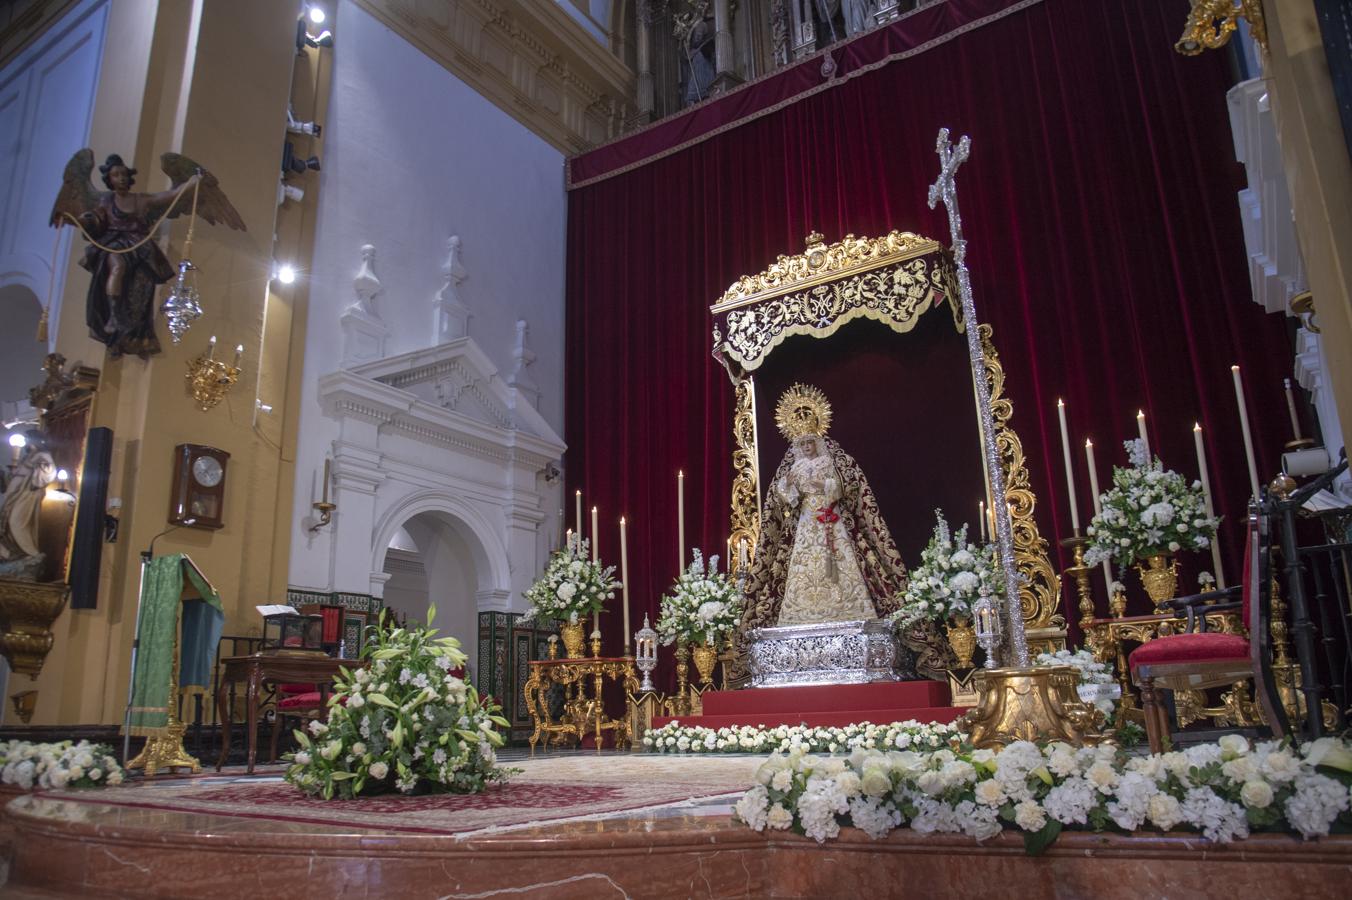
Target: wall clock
x: 197, y: 495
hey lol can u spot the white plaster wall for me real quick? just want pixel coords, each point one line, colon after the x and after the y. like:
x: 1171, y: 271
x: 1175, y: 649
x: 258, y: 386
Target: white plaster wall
x: 412, y: 155
x: 46, y: 107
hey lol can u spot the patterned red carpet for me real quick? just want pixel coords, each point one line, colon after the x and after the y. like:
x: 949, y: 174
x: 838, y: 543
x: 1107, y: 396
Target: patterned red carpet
x: 547, y: 790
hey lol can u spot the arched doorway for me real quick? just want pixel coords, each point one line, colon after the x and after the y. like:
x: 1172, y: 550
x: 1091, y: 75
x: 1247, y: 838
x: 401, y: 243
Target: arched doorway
x: 435, y: 557
x: 21, y: 355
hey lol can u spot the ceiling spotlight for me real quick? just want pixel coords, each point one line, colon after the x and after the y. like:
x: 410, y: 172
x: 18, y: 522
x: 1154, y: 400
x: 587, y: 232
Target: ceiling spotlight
x: 287, y: 192
x: 286, y: 274
x: 317, y: 15
x: 293, y: 163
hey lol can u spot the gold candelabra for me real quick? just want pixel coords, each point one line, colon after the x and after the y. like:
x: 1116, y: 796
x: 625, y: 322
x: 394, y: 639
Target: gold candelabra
x: 210, y: 379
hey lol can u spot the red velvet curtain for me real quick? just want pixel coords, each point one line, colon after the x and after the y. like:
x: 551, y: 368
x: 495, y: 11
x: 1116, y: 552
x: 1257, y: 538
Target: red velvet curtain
x: 1104, y: 242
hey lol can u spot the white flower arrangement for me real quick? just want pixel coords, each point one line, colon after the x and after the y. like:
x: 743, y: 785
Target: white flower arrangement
x: 1223, y: 790
x: 1149, y: 511
x: 64, y: 764
x: 674, y: 737
x: 1096, y: 680
x: 702, y: 607
x: 572, y: 586
x: 403, y: 722
x: 952, y: 576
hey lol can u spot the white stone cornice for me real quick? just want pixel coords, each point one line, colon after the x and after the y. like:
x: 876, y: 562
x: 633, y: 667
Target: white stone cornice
x: 383, y: 392
x: 531, y: 59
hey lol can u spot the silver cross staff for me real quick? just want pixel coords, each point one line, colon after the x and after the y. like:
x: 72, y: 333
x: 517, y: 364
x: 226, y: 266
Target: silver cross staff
x: 945, y: 189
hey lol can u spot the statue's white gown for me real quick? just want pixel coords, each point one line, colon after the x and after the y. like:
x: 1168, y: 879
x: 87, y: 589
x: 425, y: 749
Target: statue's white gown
x: 811, y: 594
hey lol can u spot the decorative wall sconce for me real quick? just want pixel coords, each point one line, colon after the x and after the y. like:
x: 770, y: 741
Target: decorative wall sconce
x: 1211, y: 22
x: 209, y: 379
x: 24, y: 704
x: 324, y: 507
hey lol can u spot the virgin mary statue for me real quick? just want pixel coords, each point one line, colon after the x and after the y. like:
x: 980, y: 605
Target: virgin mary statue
x: 825, y: 554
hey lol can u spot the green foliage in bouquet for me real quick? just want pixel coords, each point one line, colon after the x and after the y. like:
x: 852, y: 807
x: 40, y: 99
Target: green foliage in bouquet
x: 1149, y: 511
x: 703, y: 606
x: 953, y: 574
x: 402, y: 722
x: 572, y: 586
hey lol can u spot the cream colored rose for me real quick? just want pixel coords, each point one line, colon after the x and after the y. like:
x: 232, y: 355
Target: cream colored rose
x: 1256, y: 794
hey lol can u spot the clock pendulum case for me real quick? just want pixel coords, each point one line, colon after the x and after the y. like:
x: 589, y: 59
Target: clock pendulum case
x: 197, y: 497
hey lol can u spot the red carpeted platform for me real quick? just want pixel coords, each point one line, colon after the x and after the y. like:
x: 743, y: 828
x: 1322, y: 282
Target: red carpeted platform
x: 830, y: 704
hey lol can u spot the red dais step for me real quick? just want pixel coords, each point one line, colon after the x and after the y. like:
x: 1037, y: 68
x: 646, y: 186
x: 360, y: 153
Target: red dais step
x: 832, y: 698
x: 818, y: 719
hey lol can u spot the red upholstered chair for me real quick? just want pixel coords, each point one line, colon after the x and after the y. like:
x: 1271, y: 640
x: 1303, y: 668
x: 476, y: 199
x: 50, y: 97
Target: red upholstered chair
x: 301, y: 702
x: 1200, y: 659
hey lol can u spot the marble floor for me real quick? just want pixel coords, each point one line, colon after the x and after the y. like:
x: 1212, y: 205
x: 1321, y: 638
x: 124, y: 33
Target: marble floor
x: 687, y: 848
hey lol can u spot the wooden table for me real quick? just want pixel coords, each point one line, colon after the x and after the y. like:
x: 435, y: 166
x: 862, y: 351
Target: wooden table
x: 583, y: 714
x: 276, y: 668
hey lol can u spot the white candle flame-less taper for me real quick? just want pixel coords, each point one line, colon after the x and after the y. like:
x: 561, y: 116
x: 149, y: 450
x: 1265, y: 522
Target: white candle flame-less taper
x: 624, y: 581
x: 680, y: 521
x: 1205, y: 478
x: 1145, y: 438
x: 1070, y: 470
x: 1098, y: 503
x: 1244, y: 426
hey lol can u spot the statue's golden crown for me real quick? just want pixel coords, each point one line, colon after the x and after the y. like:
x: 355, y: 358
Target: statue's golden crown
x: 803, y: 410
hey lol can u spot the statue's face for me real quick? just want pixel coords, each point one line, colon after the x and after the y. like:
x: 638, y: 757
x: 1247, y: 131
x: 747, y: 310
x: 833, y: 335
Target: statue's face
x: 809, y: 447
x: 119, y: 178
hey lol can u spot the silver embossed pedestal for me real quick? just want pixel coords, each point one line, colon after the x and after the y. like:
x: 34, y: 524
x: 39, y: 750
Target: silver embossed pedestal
x: 829, y: 653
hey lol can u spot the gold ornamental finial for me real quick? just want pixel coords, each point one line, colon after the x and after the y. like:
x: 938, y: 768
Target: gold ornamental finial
x: 815, y: 238
x: 803, y: 410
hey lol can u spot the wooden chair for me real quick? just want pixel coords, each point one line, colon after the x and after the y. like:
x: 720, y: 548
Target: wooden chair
x: 301, y: 702
x: 1199, y: 659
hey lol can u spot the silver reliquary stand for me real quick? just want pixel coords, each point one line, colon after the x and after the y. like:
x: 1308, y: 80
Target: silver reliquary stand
x: 829, y: 653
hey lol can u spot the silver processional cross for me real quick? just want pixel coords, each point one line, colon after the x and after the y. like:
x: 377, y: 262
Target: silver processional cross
x: 945, y: 190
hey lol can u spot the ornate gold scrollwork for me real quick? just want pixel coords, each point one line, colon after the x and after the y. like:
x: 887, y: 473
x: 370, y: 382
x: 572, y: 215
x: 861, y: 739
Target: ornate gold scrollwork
x: 1211, y: 23
x: 1040, y: 593
x: 894, y: 280
x: 745, y: 486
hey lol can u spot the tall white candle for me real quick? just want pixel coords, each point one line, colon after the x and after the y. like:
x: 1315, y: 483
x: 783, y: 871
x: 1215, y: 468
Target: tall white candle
x: 568, y: 540
x: 1098, y: 501
x: 1244, y: 426
x: 577, y: 500
x: 624, y: 582
x: 1145, y: 438
x: 1206, y: 495
x: 981, y: 515
x: 1291, y: 408
x: 1070, y: 470
x: 741, y: 555
x: 596, y: 539
x: 680, y: 520
x: 596, y: 557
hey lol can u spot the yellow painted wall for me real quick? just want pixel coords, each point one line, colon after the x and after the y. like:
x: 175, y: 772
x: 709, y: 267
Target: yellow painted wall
x: 1319, y: 175
x: 210, y: 79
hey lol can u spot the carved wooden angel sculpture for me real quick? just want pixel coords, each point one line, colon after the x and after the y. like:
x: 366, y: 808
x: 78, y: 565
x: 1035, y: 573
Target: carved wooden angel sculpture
x: 125, y: 262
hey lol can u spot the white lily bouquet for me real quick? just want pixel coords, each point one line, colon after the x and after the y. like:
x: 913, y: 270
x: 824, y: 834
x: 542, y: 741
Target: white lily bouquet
x: 704, y: 606
x: 64, y: 764
x: 404, y: 722
x: 1097, y: 685
x: 572, y: 586
x: 952, y: 576
x: 1150, y: 511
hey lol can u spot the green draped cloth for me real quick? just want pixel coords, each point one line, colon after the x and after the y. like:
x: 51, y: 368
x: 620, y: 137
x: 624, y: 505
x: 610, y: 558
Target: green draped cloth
x: 171, y: 583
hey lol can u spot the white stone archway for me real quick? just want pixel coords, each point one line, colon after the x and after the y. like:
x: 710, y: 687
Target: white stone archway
x: 437, y: 435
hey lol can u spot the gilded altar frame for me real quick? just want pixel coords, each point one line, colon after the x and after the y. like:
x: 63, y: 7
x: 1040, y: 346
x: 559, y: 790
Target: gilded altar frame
x: 894, y: 280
